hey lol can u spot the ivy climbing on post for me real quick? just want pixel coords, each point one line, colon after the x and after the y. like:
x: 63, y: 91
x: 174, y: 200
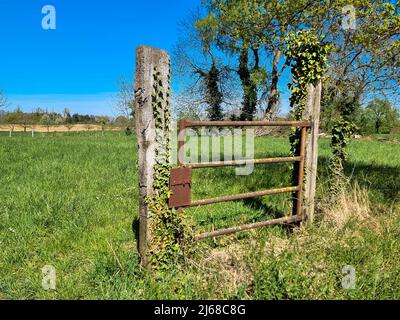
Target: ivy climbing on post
x: 166, y: 225
x: 342, y: 131
x: 307, y: 56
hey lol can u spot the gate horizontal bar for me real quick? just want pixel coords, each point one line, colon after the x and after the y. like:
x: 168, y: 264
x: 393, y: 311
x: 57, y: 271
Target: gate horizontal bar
x: 242, y: 162
x: 243, y: 196
x: 193, y: 123
x: 223, y: 232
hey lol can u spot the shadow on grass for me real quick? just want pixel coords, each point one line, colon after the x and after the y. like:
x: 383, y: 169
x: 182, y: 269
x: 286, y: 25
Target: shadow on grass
x: 258, y: 204
x: 383, y: 182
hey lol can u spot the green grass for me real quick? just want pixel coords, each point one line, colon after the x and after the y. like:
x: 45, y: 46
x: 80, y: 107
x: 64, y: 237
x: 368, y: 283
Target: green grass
x: 71, y: 201
x: 387, y: 136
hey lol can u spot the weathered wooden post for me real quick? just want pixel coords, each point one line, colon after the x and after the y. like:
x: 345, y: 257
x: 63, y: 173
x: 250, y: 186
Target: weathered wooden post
x: 312, y: 113
x: 148, y: 59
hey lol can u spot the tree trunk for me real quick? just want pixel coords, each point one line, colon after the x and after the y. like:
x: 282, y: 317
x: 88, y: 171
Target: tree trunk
x: 273, y: 97
x: 249, y: 88
x: 214, y: 95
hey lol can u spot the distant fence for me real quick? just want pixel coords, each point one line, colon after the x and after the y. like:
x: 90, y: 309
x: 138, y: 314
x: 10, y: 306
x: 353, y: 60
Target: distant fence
x: 57, y: 128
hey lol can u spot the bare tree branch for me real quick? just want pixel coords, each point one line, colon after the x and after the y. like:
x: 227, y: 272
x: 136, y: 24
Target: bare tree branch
x: 3, y: 101
x: 125, y: 98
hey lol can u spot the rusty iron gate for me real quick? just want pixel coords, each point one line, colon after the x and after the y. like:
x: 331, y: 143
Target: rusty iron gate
x: 181, y: 177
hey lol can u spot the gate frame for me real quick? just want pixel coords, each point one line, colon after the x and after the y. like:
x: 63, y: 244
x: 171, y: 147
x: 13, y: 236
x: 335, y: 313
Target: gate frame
x: 147, y: 59
x: 298, y: 214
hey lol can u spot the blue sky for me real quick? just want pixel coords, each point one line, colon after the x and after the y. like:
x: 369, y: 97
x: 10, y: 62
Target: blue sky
x: 78, y: 64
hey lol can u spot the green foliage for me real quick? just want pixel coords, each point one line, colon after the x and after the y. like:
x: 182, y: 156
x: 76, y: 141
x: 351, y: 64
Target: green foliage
x: 166, y: 225
x: 213, y: 93
x: 363, y: 59
x: 237, y: 29
x: 235, y: 25
x: 46, y: 120
x: 42, y: 117
x: 343, y: 129
x: 12, y: 118
x: 251, y: 79
x: 342, y: 132
x: 307, y: 57
x: 379, y: 117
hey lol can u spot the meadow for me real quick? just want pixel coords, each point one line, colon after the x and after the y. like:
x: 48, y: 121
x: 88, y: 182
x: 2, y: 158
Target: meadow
x: 70, y: 200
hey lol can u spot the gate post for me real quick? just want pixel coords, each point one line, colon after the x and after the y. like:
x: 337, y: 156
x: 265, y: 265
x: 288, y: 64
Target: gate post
x: 147, y: 60
x: 311, y: 113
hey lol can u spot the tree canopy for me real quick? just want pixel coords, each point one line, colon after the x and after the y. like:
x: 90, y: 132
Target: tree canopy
x: 364, y: 37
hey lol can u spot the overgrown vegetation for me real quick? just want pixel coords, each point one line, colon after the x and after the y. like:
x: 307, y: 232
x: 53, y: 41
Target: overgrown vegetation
x: 167, y: 227
x: 307, y: 57
x: 380, y: 116
x: 51, y: 213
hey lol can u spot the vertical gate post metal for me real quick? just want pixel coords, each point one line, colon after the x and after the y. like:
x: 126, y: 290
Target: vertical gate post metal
x: 312, y: 114
x: 300, y: 174
x: 181, y: 142
x: 147, y: 60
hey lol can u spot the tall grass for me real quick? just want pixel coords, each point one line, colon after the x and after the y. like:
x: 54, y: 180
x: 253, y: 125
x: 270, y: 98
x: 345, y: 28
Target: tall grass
x: 70, y: 200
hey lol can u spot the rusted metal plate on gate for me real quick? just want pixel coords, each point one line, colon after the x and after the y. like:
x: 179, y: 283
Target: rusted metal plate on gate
x: 181, y: 186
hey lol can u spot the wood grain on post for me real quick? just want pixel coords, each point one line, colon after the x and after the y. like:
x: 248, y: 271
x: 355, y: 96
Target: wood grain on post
x: 312, y: 113
x: 147, y: 59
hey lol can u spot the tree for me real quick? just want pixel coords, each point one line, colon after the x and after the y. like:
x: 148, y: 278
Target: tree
x: 235, y: 27
x: 365, y: 57
x: 26, y: 120
x: 46, y: 121
x: 364, y: 60
x: 59, y: 120
x: 121, y: 121
x: 65, y: 112
x: 3, y: 101
x: 380, y: 115
x: 3, y: 105
x: 11, y: 118
x: 198, y: 63
x: 125, y: 98
x: 259, y: 28
x: 281, y: 19
x: 103, y: 120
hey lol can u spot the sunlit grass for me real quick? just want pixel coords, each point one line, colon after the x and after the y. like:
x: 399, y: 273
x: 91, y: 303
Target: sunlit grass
x: 69, y: 200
